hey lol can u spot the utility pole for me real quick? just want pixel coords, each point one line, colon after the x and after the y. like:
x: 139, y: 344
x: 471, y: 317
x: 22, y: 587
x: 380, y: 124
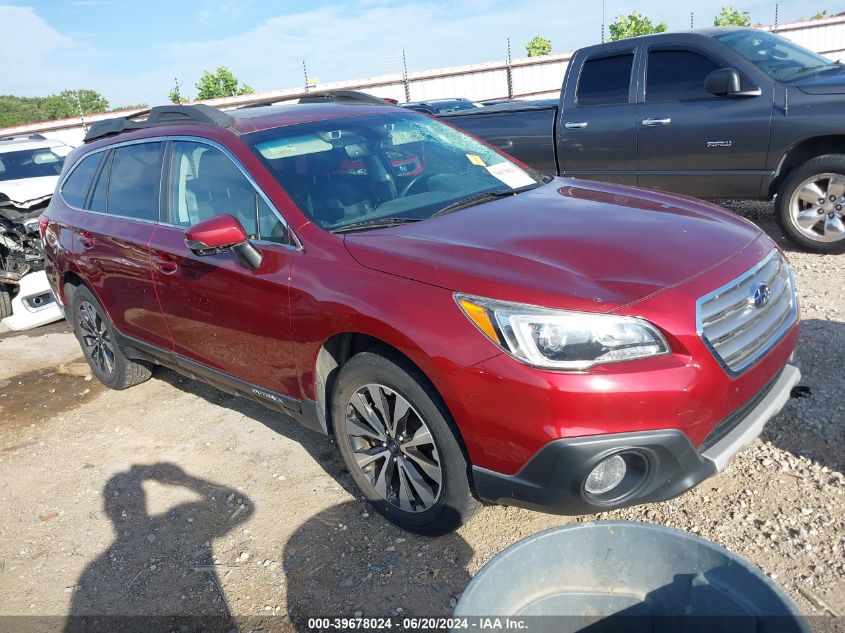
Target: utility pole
x: 602, y: 21
x: 405, y: 77
x: 509, y: 72
x: 81, y: 112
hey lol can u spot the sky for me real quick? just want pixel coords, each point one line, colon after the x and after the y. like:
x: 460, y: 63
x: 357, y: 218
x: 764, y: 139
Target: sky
x: 132, y: 51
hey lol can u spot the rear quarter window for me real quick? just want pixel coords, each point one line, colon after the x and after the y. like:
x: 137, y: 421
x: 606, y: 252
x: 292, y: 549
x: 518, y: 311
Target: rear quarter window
x: 76, y: 187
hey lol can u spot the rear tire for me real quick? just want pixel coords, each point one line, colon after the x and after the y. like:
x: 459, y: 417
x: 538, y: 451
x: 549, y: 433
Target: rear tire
x: 804, y: 210
x: 97, y: 338
x: 408, y: 463
x: 5, y: 301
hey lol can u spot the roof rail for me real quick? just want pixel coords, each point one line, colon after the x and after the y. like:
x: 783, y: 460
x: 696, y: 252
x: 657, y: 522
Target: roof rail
x: 332, y: 96
x: 160, y: 115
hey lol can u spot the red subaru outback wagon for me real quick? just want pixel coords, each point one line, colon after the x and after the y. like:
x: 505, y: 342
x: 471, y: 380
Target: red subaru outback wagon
x: 465, y: 327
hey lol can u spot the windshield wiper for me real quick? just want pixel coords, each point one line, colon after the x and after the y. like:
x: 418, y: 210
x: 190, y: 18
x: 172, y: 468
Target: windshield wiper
x: 805, y: 69
x: 481, y: 198
x: 375, y: 223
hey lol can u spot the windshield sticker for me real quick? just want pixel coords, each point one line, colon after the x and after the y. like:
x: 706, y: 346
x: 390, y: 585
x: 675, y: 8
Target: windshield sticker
x: 475, y: 159
x: 511, y: 175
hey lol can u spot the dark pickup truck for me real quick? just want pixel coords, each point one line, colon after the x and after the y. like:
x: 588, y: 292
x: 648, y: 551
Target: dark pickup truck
x: 716, y: 113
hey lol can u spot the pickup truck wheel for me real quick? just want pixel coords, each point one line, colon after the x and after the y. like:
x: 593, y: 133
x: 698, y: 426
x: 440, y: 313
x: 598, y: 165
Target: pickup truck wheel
x: 99, y: 344
x: 5, y: 301
x: 393, y: 435
x: 810, y: 206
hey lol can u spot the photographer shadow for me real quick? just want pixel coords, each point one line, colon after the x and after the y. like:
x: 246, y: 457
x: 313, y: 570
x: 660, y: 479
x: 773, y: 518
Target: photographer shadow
x: 158, y: 573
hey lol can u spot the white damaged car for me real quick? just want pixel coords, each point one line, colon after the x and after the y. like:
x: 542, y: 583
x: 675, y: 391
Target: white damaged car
x: 29, y: 171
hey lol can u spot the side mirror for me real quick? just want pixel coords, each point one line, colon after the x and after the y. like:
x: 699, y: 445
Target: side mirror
x: 222, y: 234
x: 725, y: 82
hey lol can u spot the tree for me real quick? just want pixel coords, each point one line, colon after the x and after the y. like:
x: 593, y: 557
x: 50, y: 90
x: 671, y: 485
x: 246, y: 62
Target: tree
x: 175, y: 94
x: 729, y: 16
x: 220, y: 83
x: 538, y: 46
x: 820, y: 15
x: 633, y: 25
x: 66, y: 104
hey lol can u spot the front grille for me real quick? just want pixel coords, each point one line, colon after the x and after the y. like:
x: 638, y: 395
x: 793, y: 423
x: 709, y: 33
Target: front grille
x: 739, y: 330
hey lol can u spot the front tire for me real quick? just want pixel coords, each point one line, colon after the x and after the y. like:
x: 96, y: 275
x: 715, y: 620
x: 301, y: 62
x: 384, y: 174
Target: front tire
x: 396, y: 438
x: 810, y: 206
x: 99, y: 345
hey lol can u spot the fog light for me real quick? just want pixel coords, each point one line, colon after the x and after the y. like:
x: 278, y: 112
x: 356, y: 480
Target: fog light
x: 606, y: 476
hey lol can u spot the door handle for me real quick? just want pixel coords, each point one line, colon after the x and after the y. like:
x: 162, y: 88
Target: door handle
x: 656, y: 122
x: 165, y: 264
x: 87, y: 239
x: 575, y: 125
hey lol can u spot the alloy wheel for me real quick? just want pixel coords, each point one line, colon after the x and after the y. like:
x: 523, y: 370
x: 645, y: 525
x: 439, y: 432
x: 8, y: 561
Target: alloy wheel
x: 817, y: 207
x: 394, y: 448
x: 96, y: 338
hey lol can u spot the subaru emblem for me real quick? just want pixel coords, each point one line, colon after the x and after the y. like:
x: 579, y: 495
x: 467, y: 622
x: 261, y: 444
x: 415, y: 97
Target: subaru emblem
x: 760, y: 295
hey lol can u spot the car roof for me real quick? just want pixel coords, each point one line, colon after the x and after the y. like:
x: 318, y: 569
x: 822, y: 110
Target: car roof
x: 22, y: 144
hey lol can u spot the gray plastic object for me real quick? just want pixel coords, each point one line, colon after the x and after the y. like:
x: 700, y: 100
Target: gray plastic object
x: 627, y: 576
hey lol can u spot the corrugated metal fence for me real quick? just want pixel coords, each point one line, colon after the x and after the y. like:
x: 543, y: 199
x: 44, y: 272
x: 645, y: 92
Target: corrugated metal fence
x: 529, y: 78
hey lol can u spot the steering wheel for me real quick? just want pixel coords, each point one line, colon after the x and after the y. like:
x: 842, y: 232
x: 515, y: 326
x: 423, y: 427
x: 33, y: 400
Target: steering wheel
x: 412, y: 182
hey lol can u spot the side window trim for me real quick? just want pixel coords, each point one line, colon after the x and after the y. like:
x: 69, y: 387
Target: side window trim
x: 164, y: 212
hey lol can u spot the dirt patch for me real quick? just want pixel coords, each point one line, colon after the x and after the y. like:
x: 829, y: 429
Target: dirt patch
x: 38, y: 396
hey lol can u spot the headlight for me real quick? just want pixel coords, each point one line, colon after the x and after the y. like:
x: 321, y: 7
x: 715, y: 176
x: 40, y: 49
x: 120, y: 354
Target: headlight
x: 561, y: 339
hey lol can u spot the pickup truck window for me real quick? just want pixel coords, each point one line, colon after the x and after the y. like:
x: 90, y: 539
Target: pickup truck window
x: 605, y: 80
x: 676, y: 75
x: 777, y: 57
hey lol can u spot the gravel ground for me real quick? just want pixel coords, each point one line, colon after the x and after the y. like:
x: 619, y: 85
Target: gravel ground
x: 174, y: 498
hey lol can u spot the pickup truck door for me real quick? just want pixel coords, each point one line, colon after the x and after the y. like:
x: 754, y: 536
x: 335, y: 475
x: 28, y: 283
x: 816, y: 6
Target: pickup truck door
x: 692, y: 142
x: 596, y: 126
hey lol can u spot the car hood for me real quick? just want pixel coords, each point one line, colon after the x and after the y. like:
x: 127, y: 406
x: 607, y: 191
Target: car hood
x: 829, y: 82
x: 570, y: 244
x: 27, y: 192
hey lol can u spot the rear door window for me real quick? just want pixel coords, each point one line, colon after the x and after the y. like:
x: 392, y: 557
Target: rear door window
x: 133, y: 185
x: 676, y: 75
x: 76, y: 187
x: 605, y: 80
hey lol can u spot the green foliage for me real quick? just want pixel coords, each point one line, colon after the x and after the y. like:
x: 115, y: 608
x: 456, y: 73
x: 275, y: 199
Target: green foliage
x: 220, y: 83
x: 175, y: 94
x: 22, y: 110
x: 729, y: 16
x: 134, y: 106
x: 538, y: 46
x: 633, y: 25
x: 820, y: 15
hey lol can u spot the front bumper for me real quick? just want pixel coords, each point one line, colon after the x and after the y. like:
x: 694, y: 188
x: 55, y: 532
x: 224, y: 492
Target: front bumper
x: 553, y: 480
